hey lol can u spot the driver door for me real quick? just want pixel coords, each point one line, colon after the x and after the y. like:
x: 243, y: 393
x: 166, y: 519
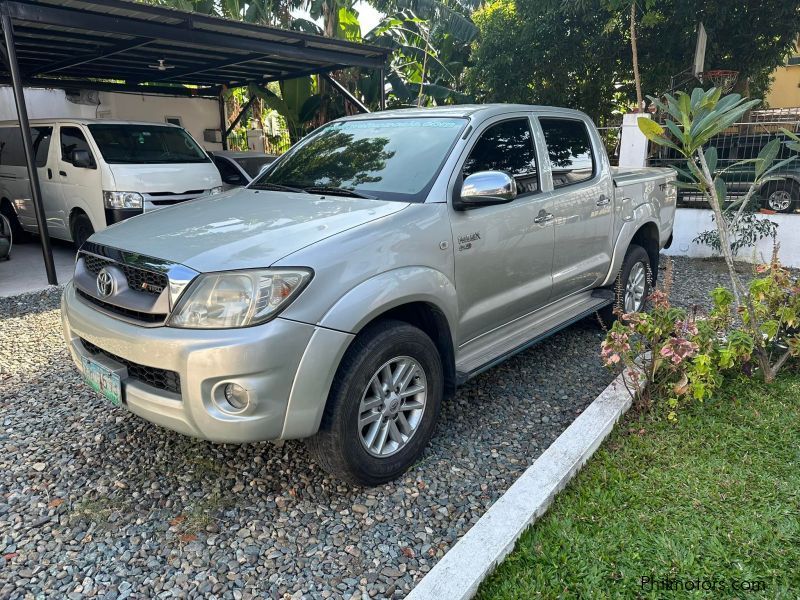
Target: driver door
x: 80, y: 186
x: 503, y: 253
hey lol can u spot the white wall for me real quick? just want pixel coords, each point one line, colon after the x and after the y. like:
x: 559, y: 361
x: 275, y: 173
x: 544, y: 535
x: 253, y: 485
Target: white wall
x: 689, y: 222
x: 196, y: 114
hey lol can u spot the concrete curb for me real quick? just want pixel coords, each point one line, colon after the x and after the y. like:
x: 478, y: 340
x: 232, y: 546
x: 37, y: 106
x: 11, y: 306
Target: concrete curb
x: 460, y: 572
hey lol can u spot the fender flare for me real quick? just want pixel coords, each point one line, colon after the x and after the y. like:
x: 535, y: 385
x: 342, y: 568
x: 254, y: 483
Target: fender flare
x: 339, y: 326
x: 624, y: 239
x: 378, y: 294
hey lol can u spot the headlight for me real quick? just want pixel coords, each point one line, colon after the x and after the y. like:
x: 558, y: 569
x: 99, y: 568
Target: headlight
x: 215, y: 190
x: 238, y: 298
x: 122, y: 199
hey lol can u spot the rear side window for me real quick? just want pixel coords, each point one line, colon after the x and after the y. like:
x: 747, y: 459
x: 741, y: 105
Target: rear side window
x: 570, y: 150
x: 11, y: 152
x: 73, y: 139
x: 507, y: 146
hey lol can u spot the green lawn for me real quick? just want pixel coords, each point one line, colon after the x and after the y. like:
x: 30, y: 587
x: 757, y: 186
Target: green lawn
x: 711, y: 501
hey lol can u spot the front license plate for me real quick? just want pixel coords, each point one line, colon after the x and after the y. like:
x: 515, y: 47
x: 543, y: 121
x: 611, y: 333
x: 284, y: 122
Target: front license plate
x: 102, y: 380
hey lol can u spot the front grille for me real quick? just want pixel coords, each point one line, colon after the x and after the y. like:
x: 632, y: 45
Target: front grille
x: 140, y: 280
x: 161, y: 379
x: 186, y: 193
x: 125, y: 312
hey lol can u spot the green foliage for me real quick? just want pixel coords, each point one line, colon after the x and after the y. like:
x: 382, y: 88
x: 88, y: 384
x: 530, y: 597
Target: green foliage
x: 577, y: 54
x: 681, y: 355
x: 745, y: 232
x: 297, y: 103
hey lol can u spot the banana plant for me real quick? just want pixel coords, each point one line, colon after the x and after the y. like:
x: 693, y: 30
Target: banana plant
x: 297, y: 103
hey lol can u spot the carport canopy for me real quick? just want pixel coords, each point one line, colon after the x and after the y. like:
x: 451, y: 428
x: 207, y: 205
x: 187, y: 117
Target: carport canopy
x: 118, y: 45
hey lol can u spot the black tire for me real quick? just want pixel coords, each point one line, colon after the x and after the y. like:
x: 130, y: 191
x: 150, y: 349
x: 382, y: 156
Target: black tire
x: 20, y: 235
x: 782, y: 196
x: 635, y: 255
x: 337, y: 447
x: 81, y: 230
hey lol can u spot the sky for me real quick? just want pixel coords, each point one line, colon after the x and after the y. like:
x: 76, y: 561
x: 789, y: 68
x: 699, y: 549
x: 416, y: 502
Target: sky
x: 368, y: 17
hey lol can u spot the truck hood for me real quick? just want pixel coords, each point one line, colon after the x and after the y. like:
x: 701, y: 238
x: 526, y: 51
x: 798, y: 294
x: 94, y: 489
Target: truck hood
x: 242, y: 228
x: 177, y: 178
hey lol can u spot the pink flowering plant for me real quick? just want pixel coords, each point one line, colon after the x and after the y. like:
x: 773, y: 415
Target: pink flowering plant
x: 680, y: 354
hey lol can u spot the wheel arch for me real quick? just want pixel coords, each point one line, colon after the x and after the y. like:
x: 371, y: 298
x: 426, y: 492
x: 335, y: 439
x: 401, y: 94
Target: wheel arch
x: 648, y: 236
x: 426, y: 300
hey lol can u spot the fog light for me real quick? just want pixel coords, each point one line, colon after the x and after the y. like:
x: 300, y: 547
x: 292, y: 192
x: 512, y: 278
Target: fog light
x: 236, y: 396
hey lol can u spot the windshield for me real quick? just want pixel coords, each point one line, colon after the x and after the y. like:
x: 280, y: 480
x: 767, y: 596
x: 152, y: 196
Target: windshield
x: 252, y: 165
x: 131, y: 144
x: 391, y: 159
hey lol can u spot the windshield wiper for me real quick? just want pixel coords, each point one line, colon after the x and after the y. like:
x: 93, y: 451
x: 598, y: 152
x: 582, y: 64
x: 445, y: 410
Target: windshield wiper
x: 336, y: 191
x: 276, y: 187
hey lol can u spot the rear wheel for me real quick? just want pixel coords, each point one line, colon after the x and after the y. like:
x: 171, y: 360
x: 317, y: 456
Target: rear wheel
x: 782, y: 196
x: 632, y: 285
x: 382, y: 407
x: 81, y: 230
x: 20, y: 235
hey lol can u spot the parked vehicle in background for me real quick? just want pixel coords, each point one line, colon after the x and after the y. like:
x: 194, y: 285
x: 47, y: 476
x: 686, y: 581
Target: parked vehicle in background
x: 237, y: 169
x: 383, y: 260
x: 100, y: 172
x: 781, y: 194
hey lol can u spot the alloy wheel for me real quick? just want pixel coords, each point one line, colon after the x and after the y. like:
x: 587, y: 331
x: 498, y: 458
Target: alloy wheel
x: 634, y: 288
x: 392, y: 406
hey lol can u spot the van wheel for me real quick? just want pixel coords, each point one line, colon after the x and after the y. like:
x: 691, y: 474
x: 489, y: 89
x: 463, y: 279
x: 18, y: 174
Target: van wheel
x: 782, y: 196
x: 18, y: 233
x: 382, y: 407
x: 632, y: 286
x: 81, y: 230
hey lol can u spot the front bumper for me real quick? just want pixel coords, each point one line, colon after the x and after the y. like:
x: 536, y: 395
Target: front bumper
x: 265, y: 360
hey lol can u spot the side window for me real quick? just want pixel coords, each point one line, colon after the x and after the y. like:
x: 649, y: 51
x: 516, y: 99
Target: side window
x: 11, y: 151
x: 507, y: 146
x: 72, y: 139
x: 228, y: 172
x: 41, y: 143
x: 570, y: 151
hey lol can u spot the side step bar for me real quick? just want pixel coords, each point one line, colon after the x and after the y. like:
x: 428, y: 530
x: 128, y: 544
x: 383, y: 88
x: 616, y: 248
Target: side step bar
x: 523, y: 333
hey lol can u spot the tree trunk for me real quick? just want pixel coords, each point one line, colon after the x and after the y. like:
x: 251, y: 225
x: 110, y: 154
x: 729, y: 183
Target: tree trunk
x: 635, y: 55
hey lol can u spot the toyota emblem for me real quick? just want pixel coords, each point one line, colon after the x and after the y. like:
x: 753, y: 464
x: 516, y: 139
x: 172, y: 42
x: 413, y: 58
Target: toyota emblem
x: 105, y: 283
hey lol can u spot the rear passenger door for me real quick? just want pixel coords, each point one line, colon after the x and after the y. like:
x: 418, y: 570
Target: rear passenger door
x: 503, y: 256
x: 582, y: 205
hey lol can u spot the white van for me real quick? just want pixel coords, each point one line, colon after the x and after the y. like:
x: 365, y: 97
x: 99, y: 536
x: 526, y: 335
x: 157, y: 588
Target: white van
x: 95, y: 173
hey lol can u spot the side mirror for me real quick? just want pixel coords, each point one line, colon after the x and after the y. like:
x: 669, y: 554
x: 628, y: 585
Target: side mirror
x: 82, y: 159
x: 485, y: 188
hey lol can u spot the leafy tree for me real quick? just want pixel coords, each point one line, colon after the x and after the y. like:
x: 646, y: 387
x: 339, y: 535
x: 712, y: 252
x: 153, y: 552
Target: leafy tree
x: 579, y: 52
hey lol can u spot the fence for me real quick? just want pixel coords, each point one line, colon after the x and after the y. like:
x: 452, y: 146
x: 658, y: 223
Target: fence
x: 744, y: 141
x: 611, y: 136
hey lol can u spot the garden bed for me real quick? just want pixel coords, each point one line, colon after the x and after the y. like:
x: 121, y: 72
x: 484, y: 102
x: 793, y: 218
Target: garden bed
x: 709, y: 505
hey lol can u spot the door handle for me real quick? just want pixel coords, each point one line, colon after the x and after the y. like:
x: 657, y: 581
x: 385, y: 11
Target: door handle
x: 543, y: 217
x: 62, y: 173
x: 49, y: 173
x: 603, y: 200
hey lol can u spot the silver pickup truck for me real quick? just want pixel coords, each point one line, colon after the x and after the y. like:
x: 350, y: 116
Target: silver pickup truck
x: 381, y: 262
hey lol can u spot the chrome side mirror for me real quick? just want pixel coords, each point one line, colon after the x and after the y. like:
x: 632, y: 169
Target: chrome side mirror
x: 485, y: 188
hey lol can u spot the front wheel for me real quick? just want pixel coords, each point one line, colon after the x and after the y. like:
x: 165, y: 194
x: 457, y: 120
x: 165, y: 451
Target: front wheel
x: 632, y: 284
x: 382, y: 407
x: 782, y: 196
x: 81, y: 230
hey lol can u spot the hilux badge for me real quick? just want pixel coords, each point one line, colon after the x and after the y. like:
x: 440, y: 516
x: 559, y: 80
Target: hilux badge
x: 105, y: 283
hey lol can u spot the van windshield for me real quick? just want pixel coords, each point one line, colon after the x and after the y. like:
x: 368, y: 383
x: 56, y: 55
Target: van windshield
x: 121, y: 143
x: 390, y: 159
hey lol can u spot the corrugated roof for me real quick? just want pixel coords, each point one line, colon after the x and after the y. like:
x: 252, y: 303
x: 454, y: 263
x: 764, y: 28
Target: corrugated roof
x: 110, y: 44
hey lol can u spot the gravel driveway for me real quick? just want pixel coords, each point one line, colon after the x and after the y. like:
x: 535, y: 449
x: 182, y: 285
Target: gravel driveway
x: 96, y: 502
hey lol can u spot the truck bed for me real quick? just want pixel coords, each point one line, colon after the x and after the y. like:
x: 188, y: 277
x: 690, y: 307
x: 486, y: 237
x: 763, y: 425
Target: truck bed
x: 624, y: 176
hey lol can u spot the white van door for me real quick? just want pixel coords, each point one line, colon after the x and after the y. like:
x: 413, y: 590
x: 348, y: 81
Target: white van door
x: 15, y: 172
x: 80, y: 179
